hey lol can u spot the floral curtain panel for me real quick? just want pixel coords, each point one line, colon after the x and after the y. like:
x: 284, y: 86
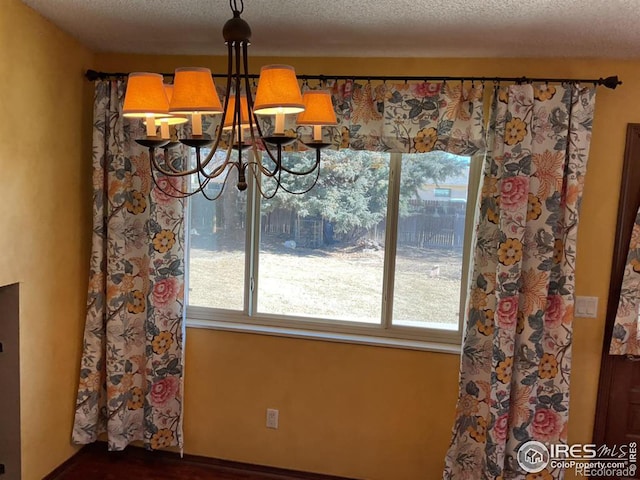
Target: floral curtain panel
x: 625, y: 339
x: 516, y: 353
x: 131, y: 370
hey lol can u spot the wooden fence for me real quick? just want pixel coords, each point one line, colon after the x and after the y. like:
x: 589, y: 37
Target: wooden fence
x: 430, y: 223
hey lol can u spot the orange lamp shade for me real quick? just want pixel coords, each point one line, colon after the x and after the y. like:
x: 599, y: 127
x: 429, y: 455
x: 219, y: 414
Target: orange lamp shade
x: 231, y: 109
x: 278, y: 91
x: 318, y: 109
x: 145, y: 96
x: 194, y: 91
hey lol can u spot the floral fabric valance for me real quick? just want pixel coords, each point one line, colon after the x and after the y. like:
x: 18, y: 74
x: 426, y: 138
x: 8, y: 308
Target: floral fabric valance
x: 403, y: 118
x: 409, y: 117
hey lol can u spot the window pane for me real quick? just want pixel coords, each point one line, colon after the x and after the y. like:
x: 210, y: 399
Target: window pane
x: 322, y: 253
x: 217, y: 245
x: 431, y: 221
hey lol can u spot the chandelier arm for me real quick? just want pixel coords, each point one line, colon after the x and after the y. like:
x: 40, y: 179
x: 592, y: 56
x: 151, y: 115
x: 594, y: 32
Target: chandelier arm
x: 275, y: 159
x: 209, y: 156
x: 315, y: 181
x: 277, y: 163
x: 171, y: 172
x: 258, y: 163
x: 227, y: 161
x: 275, y: 175
x: 253, y: 118
x: 219, y: 169
x: 280, y: 184
x: 181, y: 194
x: 279, y: 179
x: 264, y: 195
x: 237, y: 117
x: 216, y: 172
x: 165, y: 172
x: 175, y: 173
x: 215, y: 197
x: 242, y: 167
x: 214, y: 148
x: 307, y: 172
x: 226, y: 95
x: 262, y: 169
x: 224, y: 184
x: 167, y: 162
x: 199, y: 171
x: 237, y: 113
x: 202, y: 186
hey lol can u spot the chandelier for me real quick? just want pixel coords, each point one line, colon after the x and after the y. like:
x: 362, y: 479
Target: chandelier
x: 247, y: 128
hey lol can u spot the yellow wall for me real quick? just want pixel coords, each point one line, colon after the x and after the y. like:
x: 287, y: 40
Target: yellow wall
x: 357, y: 411
x: 380, y: 413
x: 45, y: 224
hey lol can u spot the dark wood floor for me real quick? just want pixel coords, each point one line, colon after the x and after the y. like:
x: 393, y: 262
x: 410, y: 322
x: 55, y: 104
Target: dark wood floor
x: 95, y: 463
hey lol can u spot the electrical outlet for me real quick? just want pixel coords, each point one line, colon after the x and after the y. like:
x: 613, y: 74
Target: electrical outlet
x: 272, y: 418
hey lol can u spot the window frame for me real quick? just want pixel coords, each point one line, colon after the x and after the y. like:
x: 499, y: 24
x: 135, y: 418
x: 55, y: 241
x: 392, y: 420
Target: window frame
x: 384, y: 333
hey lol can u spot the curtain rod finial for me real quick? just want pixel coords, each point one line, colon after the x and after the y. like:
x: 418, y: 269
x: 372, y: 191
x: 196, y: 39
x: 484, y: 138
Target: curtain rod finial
x: 610, y: 82
x: 92, y: 75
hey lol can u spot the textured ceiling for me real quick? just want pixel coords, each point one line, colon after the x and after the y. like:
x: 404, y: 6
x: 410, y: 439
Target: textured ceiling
x: 358, y: 28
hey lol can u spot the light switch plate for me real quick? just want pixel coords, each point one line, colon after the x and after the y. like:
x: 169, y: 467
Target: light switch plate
x: 586, y: 307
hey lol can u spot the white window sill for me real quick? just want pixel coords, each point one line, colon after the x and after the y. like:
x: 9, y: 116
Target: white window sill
x: 338, y: 337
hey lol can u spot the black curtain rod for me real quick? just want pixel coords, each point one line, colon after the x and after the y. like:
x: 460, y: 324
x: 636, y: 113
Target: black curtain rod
x: 609, y: 82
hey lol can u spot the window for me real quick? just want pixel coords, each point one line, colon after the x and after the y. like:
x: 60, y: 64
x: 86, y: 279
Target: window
x: 373, y: 249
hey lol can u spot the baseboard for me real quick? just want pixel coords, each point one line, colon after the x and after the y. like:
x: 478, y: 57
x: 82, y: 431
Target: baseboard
x: 63, y: 467
x: 263, y: 469
x: 100, y: 448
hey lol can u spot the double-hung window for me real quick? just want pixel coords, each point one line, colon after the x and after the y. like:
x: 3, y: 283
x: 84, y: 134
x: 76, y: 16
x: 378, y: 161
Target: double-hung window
x: 377, y: 250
